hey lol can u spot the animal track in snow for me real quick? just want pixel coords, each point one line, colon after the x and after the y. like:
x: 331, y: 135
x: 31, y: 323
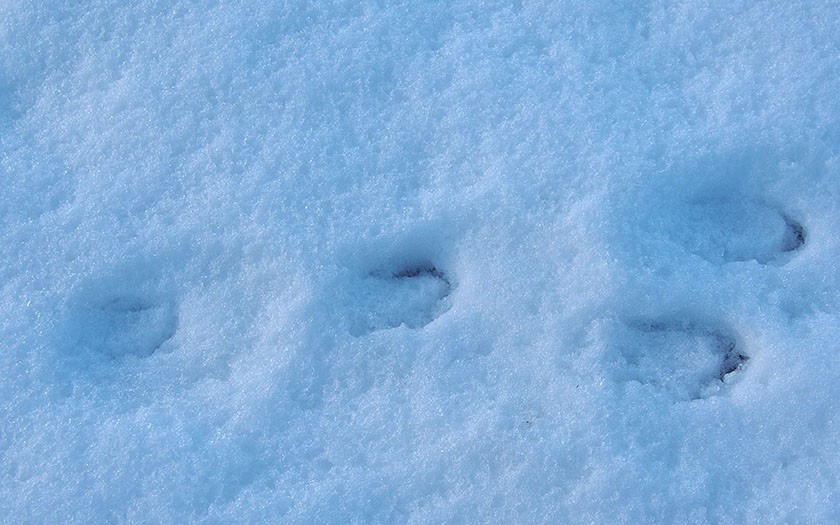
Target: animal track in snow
x: 413, y: 296
x: 125, y: 325
x: 686, y: 359
x: 729, y: 230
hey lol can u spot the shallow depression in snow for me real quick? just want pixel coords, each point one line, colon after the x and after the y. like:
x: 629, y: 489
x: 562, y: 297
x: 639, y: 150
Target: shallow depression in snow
x: 684, y: 359
x: 411, y: 296
x: 733, y: 230
x: 122, y: 326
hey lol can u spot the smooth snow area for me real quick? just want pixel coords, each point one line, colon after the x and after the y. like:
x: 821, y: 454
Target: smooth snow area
x: 429, y: 262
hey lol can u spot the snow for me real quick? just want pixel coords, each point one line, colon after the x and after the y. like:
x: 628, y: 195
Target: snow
x: 479, y: 262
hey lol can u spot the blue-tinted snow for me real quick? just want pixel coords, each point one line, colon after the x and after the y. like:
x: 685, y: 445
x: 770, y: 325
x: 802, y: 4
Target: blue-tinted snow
x: 483, y: 262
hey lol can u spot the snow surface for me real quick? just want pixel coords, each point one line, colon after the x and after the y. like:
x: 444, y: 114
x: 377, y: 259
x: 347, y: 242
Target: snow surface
x: 422, y: 262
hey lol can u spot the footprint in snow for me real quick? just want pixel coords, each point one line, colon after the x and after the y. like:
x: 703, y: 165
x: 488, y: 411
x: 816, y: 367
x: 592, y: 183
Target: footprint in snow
x: 122, y: 325
x: 732, y: 230
x: 411, y: 296
x: 684, y: 359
